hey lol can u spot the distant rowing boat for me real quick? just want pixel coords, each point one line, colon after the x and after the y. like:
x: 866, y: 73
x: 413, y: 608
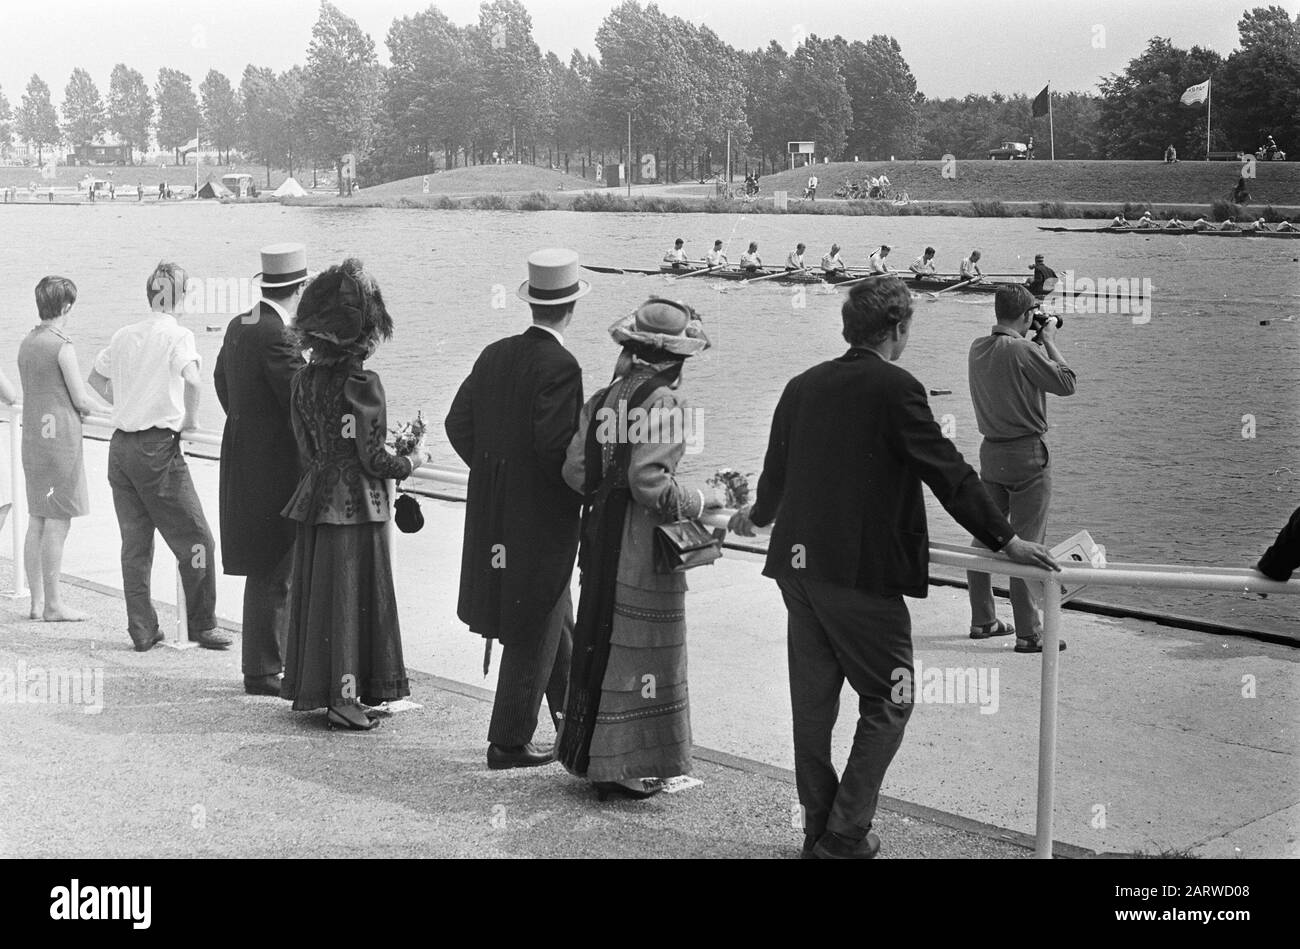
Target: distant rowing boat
x: 1186, y: 231
x: 777, y: 275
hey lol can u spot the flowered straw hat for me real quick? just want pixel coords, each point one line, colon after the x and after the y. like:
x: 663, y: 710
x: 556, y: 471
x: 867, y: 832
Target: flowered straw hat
x: 662, y: 325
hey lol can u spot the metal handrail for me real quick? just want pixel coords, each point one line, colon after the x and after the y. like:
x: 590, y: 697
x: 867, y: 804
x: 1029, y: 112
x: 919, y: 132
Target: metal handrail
x: 1158, y: 576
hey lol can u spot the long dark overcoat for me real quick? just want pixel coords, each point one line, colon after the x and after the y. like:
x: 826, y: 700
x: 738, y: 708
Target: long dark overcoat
x: 511, y: 422
x: 259, y: 458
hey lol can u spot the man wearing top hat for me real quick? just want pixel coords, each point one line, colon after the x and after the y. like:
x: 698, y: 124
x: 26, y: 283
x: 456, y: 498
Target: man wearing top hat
x: 259, y: 460
x: 511, y: 422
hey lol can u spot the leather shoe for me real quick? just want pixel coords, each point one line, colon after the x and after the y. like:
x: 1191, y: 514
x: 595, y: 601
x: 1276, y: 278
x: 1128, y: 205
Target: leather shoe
x: 149, y: 643
x: 262, y: 685
x: 833, y: 846
x: 211, y: 639
x: 501, y: 757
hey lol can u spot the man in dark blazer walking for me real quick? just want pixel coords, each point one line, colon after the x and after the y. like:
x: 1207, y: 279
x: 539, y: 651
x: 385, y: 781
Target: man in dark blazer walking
x: 259, y: 461
x: 852, y: 439
x: 511, y: 422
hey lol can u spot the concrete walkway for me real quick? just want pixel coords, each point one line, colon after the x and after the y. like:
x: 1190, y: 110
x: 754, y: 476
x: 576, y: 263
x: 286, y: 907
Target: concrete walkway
x: 1156, y: 726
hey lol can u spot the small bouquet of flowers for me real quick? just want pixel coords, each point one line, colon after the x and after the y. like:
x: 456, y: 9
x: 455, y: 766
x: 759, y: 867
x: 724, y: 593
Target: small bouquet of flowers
x: 735, y: 484
x: 407, y: 438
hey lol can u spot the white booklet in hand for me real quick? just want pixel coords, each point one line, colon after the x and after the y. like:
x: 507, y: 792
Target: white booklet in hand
x: 1084, y: 551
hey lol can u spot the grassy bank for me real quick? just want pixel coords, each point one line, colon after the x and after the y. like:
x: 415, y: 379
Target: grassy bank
x: 1112, y: 182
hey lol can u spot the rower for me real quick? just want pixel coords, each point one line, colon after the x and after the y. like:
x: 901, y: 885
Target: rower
x: 876, y: 262
x: 1119, y: 221
x: 677, y: 256
x: 1261, y: 225
x: 794, y: 260
x: 1287, y: 226
x: 831, y: 262
x: 749, y: 260
x: 1201, y: 224
x: 1146, y: 220
x: 923, y: 266
x: 970, y: 269
x: 1174, y: 224
x: 715, y: 257
x: 1043, y: 280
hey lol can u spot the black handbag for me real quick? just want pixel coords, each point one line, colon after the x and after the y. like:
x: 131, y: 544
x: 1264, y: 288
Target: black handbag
x: 686, y: 543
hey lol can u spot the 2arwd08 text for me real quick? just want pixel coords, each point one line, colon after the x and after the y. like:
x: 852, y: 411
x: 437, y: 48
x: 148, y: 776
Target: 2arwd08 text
x: 1192, y: 889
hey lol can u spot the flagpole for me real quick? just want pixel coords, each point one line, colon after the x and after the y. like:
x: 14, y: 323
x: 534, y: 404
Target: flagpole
x: 1051, y: 123
x: 1209, y: 94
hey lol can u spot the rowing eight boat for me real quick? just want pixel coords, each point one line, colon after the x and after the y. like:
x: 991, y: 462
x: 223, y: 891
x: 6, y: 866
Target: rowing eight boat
x: 777, y: 275
x: 1185, y: 231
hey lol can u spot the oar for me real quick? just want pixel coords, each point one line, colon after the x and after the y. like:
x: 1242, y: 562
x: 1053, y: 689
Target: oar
x: 857, y: 280
x: 696, y: 273
x: 934, y: 294
x: 779, y: 273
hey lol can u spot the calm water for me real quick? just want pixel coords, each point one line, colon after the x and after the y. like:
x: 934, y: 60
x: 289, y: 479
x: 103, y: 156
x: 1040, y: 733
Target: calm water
x: 1148, y: 456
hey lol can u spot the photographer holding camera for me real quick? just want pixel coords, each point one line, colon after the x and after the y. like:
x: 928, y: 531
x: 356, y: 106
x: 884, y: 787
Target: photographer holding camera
x: 1010, y: 377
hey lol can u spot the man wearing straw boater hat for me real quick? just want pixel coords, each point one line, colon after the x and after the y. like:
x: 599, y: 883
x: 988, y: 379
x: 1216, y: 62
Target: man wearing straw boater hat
x: 511, y: 422
x: 259, y: 460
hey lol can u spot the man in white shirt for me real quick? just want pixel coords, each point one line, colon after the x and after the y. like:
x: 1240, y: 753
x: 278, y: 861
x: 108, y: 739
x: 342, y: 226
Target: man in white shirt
x: 923, y: 266
x: 812, y: 187
x: 749, y: 260
x: 970, y: 269
x: 831, y: 263
x: 150, y: 374
x: 677, y: 256
x: 715, y: 257
x: 794, y: 260
x: 876, y: 262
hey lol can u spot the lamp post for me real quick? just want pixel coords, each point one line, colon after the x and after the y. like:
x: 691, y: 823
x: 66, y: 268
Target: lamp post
x: 629, y: 155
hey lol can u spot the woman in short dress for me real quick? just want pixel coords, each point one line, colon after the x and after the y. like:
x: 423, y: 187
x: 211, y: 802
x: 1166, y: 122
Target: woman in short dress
x: 626, y: 725
x: 54, y: 401
x: 344, y: 649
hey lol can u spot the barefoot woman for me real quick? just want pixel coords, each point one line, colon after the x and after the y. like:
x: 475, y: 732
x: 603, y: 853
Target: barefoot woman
x: 54, y: 401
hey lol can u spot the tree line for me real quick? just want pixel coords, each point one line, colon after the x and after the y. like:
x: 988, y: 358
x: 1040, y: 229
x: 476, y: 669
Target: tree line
x: 455, y: 95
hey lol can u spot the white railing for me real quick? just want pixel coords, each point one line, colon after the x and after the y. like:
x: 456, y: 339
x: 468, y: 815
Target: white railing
x: 1155, y: 576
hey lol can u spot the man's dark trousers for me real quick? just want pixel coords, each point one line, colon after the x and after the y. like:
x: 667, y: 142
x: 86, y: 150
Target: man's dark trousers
x: 529, y: 670
x: 837, y: 633
x: 152, y: 490
x: 266, y: 619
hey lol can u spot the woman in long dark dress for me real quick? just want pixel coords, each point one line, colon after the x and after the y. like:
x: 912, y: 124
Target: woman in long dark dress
x: 626, y: 725
x: 344, y: 648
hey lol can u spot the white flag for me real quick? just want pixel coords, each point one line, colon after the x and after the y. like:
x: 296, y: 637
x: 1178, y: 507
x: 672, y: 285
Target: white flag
x: 1195, y: 94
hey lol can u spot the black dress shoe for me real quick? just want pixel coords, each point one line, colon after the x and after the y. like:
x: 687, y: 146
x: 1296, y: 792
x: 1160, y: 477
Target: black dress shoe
x: 211, y: 639
x: 833, y: 846
x: 637, y: 791
x: 262, y: 685
x: 149, y: 643
x: 501, y: 757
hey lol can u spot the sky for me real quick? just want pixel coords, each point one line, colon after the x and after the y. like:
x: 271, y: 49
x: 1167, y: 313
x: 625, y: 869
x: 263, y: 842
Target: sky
x: 953, y: 47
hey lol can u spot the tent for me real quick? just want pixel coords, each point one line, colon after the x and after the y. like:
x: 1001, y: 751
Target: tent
x: 214, y: 189
x: 290, y: 189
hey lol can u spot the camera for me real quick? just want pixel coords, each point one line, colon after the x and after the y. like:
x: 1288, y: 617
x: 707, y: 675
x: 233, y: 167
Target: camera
x: 1040, y: 320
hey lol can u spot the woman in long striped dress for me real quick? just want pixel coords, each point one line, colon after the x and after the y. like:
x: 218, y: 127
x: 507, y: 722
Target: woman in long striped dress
x: 626, y: 724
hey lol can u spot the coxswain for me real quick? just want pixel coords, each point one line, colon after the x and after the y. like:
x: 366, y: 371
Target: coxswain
x: 1043, y: 280
x: 923, y: 266
x: 715, y: 257
x: 677, y: 256
x: 970, y: 268
x: 749, y: 260
x: 876, y: 262
x: 831, y: 262
x: 794, y: 260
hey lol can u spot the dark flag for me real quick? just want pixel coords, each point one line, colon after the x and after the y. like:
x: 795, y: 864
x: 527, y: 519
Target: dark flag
x: 1041, y: 105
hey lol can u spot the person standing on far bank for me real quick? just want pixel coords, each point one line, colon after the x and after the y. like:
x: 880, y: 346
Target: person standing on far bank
x: 150, y: 374
x: 1009, y: 381
x: 850, y: 542
x: 511, y: 422
x: 259, y: 461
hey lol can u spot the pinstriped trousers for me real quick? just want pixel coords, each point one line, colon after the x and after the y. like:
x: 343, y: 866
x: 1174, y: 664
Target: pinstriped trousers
x: 527, y: 672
